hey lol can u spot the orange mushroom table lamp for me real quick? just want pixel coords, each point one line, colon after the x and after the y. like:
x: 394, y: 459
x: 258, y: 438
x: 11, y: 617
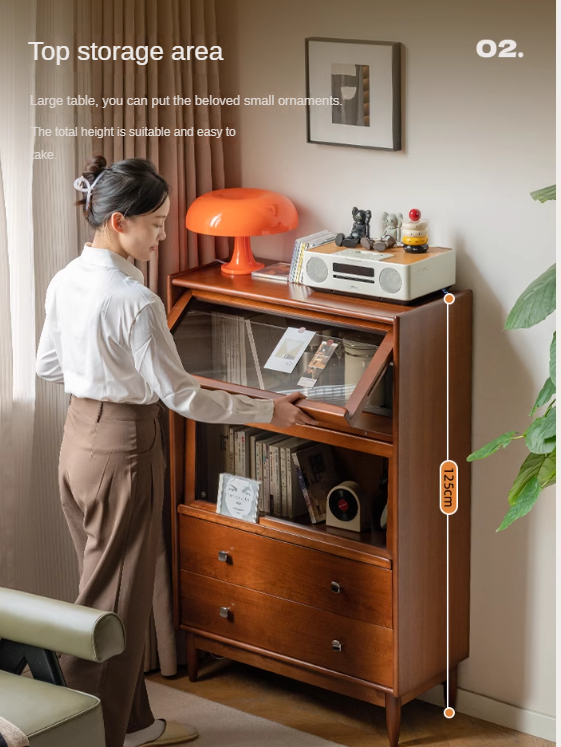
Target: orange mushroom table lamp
x: 241, y: 212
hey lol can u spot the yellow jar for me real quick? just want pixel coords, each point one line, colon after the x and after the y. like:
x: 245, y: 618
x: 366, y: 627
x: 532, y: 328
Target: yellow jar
x: 415, y: 240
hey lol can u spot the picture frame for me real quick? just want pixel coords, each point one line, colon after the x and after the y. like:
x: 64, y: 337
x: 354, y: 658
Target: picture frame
x: 238, y: 497
x: 364, y: 78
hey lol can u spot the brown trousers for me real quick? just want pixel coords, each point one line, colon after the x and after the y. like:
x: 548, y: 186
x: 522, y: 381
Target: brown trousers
x: 111, y: 477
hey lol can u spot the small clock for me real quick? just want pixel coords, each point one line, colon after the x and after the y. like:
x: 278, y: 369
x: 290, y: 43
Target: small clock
x: 348, y: 507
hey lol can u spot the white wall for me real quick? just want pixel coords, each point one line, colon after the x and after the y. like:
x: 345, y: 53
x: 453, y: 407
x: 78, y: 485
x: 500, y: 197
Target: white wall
x: 478, y: 137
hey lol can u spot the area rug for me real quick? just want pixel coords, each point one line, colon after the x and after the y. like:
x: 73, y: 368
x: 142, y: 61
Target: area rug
x: 222, y: 726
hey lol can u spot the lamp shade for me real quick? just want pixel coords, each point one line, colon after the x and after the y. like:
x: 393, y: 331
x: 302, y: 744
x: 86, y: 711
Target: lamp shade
x: 241, y: 212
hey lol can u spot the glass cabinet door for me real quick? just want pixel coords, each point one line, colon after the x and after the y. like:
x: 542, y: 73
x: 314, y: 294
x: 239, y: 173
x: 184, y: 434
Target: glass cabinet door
x: 343, y: 371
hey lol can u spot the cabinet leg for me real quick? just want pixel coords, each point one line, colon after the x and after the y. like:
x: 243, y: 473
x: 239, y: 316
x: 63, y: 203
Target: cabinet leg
x: 192, y: 658
x: 453, y: 684
x: 393, y: 718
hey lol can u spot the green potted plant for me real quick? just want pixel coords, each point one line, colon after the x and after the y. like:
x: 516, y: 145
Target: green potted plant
x: 537, y: 471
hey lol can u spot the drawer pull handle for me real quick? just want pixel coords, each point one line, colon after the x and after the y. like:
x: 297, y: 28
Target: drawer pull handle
x: 225, y: 612
x: 335, y: 587
x: 223, y: 556
x: 336, y: 645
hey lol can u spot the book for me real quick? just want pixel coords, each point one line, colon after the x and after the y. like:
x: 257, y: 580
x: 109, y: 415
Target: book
x: 317, y: 475
x: 274, y: 478
x: 232, y: 448
x: 295, y: 501
x: 219, y: 338
x: 278, y: 465
x: 253, y: 441
x: 277, y: 272
x: 259, y: 438
x: 242, y: 459
x: 296, y: 252
x: 213, y: 458
x: 268, y: 506
x: 229, y: 357
x: 306, y: 242
x: 310, y: 245
x: 304, y: 490
x: 243, y: 356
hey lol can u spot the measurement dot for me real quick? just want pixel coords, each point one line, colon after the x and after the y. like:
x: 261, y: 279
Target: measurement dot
x: 449, y: 298
x: 449, y: 712
x: 521, y: 54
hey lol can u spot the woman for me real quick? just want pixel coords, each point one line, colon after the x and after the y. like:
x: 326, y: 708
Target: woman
x: 106, y: 339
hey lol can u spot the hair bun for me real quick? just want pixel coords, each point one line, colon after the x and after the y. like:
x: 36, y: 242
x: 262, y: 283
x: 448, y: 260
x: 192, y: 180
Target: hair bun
x: 94, y: 166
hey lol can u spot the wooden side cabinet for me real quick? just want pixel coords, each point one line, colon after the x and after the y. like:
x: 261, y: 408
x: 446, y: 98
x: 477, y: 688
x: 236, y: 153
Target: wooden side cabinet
x: 359, y: 613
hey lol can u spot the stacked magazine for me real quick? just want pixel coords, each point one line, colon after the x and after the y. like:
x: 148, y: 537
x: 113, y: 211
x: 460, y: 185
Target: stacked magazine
x: 306, y: 242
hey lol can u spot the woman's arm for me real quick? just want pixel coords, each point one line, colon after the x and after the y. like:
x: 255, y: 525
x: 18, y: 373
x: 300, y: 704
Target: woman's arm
x: 48, y: 364
x: 158, y: 362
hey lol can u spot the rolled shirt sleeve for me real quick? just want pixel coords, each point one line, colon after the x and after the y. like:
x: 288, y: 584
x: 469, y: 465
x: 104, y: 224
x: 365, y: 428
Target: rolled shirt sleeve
x: 157, y: 361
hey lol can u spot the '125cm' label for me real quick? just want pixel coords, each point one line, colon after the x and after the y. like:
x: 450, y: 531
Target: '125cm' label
x: 449, y: 487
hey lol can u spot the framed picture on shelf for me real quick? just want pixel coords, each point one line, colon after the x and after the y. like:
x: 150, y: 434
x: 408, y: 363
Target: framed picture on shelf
x: 356, y: 92
x: 238, y: 497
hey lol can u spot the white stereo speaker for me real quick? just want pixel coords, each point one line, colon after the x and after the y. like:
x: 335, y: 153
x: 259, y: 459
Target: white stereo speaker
x: 393, y: 274
x: 348, y: 507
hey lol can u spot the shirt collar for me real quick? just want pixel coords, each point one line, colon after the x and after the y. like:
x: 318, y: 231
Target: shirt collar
x: 106, y: 258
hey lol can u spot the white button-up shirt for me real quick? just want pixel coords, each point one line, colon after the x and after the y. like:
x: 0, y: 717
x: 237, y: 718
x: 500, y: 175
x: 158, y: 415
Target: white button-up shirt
x: 106, y: 338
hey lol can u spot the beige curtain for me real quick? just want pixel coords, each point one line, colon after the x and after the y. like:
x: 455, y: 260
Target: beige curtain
x: 8, y: 496
x: 17, y: 324
x: 37, y: 238
x: 40, y: 232
x: 191, y: 165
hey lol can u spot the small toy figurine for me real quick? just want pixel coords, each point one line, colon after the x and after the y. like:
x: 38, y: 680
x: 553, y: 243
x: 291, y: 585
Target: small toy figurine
x: 414, y: 235
x: 379, y: 245
x: 392, y: 224
x: 361, y: 227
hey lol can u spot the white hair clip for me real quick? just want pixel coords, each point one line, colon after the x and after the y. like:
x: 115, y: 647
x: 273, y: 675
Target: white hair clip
x: 81, y: 184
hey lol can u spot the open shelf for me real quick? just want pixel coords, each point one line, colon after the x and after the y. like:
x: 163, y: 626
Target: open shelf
x: 368, y: 470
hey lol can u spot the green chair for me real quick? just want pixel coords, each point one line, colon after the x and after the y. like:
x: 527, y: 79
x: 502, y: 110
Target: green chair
x: 32, y: 629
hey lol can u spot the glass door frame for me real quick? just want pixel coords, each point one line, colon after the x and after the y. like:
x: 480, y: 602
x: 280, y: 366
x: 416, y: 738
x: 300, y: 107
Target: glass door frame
x: 351, y: 416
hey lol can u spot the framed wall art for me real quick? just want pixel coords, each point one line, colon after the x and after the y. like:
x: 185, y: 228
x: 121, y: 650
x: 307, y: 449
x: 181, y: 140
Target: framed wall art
x: 356, y: 92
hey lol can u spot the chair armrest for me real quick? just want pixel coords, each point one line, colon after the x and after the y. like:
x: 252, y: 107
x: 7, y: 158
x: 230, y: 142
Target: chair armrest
x: 60, y: 626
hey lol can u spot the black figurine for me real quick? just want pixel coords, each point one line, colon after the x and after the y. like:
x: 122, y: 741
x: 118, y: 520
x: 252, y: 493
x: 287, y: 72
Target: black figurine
x: 361, y: 228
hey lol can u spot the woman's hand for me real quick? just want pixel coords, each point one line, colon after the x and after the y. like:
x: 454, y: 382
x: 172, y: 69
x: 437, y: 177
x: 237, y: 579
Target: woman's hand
x: 287, y: 414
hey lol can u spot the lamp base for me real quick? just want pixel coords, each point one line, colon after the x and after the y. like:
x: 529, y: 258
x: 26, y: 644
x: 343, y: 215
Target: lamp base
x: 242, y: 262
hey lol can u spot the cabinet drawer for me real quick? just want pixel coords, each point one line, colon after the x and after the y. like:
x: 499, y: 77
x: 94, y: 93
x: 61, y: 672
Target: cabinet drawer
x: 288, y: 628
x: 317, y: 579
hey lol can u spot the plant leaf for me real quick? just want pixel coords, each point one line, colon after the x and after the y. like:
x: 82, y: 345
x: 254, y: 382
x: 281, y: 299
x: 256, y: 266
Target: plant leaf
x: 547, y: 472
x: 553, y: 358
x: 529, y: 468
x: 544, y: 194
x: 535, y: 303
x: 526, y: 499
x: 546, y: 393
x: 540, y: 436
x: 492, y: 446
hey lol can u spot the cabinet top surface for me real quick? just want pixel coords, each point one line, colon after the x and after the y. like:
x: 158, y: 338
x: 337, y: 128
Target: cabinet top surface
x: 210, y: 279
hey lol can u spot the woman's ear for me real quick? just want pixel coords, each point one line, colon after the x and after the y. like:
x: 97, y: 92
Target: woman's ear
x: 117, y: 222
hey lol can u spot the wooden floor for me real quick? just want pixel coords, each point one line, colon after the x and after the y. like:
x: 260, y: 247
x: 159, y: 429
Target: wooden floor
x: 336, y: 717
